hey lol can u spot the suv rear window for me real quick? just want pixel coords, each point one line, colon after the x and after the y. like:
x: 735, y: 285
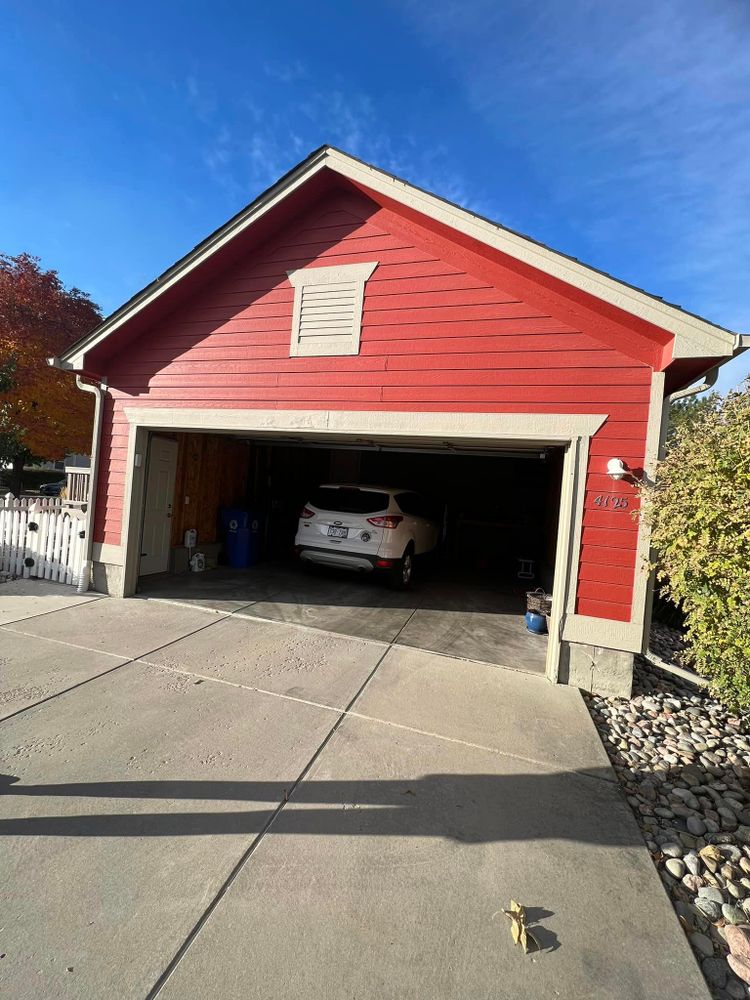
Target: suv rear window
x: 348, y: 500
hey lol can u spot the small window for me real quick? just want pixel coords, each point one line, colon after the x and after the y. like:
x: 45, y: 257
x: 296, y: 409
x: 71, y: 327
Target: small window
x: 327, y: 317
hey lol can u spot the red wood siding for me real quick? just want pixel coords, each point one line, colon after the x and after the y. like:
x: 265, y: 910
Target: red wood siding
x: 437, y: 335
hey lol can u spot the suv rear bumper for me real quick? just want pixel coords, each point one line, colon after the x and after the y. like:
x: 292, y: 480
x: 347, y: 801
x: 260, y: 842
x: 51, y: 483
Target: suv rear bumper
x: 345, y: 560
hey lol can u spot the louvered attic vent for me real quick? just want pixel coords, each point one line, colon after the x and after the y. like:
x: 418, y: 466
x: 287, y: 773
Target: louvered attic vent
x: 327, y: 316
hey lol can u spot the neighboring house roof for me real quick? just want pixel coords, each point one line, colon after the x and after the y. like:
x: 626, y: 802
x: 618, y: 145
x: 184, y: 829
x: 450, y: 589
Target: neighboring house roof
x: 694, y: 337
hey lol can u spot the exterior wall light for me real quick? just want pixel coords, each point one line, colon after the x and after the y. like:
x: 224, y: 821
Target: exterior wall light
x: 616, y: 468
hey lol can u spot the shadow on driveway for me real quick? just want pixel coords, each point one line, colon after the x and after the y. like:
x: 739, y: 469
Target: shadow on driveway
x: 472, y: 808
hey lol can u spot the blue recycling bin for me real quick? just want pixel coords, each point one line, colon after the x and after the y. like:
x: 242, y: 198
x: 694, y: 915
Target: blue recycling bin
x: 243, y: 530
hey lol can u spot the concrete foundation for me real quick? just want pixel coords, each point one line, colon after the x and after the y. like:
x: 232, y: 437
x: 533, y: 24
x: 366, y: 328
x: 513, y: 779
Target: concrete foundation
x: 109, y: 578
x: 608, y: 672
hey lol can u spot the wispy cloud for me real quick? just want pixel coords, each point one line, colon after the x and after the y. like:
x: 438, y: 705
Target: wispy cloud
x: 286, y: 72
x: 259, y: 145
x: 200, y: 99
x: 637, y: 118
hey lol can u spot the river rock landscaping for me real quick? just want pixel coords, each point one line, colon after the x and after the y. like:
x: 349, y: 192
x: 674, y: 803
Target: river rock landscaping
x: 668, y: 643
x: 684, y: 764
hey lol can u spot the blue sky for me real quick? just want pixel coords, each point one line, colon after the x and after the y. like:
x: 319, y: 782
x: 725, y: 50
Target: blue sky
x: 619, y: 134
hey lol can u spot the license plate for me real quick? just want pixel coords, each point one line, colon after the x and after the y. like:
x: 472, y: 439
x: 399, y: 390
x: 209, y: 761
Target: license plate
x: 335, y: 532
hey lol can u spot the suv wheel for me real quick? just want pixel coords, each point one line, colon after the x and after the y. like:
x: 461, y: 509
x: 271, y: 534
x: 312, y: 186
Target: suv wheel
x: 402, y: 572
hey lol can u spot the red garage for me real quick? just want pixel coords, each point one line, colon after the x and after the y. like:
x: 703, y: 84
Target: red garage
x: 349, y: 328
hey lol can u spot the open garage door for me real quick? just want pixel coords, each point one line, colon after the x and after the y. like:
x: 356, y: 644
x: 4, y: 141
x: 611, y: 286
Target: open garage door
x: 498, y: 513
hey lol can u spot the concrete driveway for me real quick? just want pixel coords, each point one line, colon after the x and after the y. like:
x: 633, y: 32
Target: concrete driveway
x: 199, y: 805
x: 446, y: 610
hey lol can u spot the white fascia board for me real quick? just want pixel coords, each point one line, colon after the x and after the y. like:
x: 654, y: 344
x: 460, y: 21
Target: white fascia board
x: 693, y: 337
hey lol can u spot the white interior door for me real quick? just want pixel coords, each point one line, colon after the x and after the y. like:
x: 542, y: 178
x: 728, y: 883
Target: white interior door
x: 157, y: 515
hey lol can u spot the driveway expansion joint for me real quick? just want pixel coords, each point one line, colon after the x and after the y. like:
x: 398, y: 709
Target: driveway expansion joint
x: 552, y: 766
x: 255, y: 843
x: 126, y: 662
x: 53, y: 611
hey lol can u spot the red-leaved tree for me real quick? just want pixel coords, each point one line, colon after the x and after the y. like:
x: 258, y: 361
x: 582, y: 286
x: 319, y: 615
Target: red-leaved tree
x: 42, y: 414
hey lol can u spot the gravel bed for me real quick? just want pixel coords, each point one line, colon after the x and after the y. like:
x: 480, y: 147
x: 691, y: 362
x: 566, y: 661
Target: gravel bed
x: 668, y: 643
x: 684, y: 765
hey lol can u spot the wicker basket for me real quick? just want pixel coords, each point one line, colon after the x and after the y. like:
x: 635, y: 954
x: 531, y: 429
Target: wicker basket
x: 537, y: 600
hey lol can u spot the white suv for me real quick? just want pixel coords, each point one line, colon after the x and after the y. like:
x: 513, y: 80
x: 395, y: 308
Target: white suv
x: 367, y: 528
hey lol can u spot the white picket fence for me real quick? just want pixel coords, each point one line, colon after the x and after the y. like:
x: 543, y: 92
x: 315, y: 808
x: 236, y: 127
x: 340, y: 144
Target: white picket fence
x: 43, y: 503
x: 41, y: 538
x: 47, y: 503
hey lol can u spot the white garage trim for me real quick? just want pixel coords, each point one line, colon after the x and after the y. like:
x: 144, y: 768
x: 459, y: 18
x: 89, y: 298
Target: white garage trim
x: 567, y: 549
x: 655, y: 431
x: 604, y: 633
x: 519, y: 428
x: 473, y: 429
x: 106, y: 553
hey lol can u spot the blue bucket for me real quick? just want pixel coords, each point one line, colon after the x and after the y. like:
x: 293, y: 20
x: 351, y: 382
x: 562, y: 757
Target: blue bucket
x: 535, y: 623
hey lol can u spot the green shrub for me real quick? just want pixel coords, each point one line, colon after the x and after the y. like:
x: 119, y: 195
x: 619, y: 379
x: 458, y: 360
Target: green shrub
x: 699, y: 512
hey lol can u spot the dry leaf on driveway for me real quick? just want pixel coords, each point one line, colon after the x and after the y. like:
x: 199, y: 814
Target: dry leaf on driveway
x: 520, y: 932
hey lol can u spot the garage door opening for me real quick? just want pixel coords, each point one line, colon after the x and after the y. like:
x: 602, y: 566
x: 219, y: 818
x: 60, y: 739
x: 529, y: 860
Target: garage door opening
x: 497, y: 511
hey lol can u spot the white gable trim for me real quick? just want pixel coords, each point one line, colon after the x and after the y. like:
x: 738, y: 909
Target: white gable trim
x: 694, y: 337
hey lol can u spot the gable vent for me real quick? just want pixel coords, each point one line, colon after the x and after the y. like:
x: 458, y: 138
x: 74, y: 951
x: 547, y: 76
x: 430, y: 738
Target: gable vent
x: 327, y: 316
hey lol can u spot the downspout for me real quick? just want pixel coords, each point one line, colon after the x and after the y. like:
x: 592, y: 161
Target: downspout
x: 709, y: 381
x: 97, y: 390
x: 742, y: 344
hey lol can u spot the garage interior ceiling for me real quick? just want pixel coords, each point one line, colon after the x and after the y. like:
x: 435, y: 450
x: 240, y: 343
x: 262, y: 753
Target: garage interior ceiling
x: 390, y: 444
x: 444, y: 448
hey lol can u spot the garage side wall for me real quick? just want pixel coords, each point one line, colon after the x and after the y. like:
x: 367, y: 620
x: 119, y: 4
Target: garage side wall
x: 438, y: 334
x: 211, y: 473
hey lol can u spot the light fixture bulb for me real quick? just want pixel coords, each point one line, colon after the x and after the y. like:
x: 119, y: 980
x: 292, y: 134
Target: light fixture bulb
x: 616, y: 468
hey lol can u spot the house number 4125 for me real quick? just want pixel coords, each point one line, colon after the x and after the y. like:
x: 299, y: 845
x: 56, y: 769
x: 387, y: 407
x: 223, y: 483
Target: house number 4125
x: 614, y: 503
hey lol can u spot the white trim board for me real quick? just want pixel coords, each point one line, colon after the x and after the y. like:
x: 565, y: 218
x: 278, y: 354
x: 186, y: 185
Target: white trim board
x: 105, y: 552
x: 489, y: 428
x: 694, y: 337
x: 604, y: 633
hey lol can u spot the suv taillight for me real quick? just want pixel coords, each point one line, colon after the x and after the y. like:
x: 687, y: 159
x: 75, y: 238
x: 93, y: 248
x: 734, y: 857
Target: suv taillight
x: 388, y: 521
x: 306, y: 512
